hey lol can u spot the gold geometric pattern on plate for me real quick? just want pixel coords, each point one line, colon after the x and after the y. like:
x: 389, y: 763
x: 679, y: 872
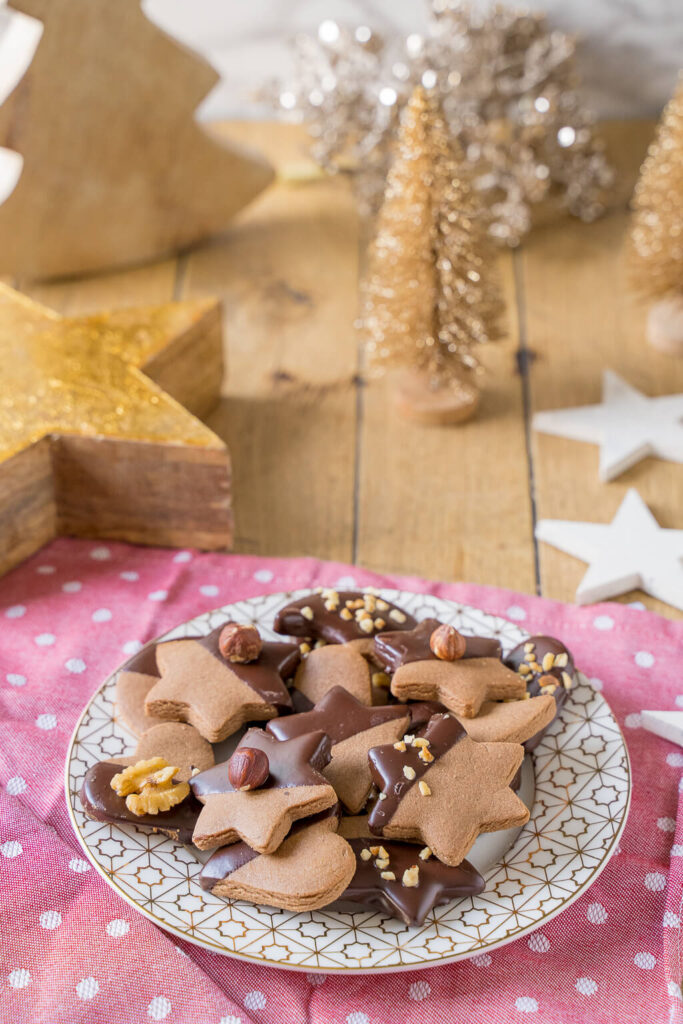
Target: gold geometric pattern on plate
x: 583, y: 788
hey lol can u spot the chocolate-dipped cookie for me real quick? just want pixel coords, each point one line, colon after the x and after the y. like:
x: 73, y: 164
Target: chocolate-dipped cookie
x: 218, y: 693
x: 546, y: 667
x: 261, y: 811
x: 393, y: 649
x: 339, y: 616
x: 311, y: 868
x: 353, y: 729
x: 400, y: 879
x: 443, y: 789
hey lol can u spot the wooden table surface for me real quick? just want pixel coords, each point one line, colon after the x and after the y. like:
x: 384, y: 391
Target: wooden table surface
x: 323, y: 465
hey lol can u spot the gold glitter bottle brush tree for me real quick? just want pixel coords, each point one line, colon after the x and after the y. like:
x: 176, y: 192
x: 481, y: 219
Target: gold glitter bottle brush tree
x: 656, y: 253
x: 430, y: 296
x: 510, y: 93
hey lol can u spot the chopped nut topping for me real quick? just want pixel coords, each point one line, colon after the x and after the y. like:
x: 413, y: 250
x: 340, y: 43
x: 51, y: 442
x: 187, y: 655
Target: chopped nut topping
x: 305, y: 648
x: 562, y: 660
x: 320, y: 643
x: 549, y: 689
x: 527, y: 696
x: 374, y: 850
x: 409, y: 737
x: 397, y: 615
x: 567, y: 681
x: 524, y: 669
x: 380, y: 623
x: 382, y: 796
x: 331, y: 605
x: 370, y: 602
x: 411, y: 877
x: 345, y: 614
x: 358, y: 603
x: 383, y: 853
x: 530, y: 656
x: 425, y: 853
x: 362, y: 615
x: 529, y: 646
x: 381, y: 679
x: 425, y: 755
x: 420, y: 741
x: 424, y: 788
x: 307, y: 612
x: 400, y: 745
x: 536, y: 667
x: 365, y: 854
x: 382, y: 863
x: 366, y: 625
x: 548, y: 661
x: 382, y: 606
x: 149, y: 788
x: 388, y: 875
x: 408, y: 771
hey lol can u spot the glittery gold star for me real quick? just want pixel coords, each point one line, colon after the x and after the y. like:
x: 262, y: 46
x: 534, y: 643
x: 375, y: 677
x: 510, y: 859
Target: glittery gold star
x: 91, y: 445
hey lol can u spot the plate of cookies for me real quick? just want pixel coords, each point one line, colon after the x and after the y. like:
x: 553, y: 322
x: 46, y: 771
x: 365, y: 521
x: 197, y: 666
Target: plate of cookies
x: 348, y: 781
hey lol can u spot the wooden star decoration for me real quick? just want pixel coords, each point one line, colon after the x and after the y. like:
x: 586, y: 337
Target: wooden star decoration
x: 94, y: 440
x: 633, y: 552
x: 627, y: 425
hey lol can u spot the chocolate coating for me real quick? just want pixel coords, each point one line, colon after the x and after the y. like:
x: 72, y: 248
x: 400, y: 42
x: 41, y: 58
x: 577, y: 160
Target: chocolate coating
x: 295, y: 762
x: 438, y: 883
x: 387, y: 764
x: 328, y: 625
x: 339, y: 714
x: 544, y: 645
x: 144, y: 662
x: 227, y: 859
x: 393, y: 649
x: 103, y: 804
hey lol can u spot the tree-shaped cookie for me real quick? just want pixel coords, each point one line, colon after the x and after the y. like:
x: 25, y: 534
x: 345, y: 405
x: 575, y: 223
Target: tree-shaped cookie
x: 431, y: 295
x: 434, y: 665
x: 267, y: 794
x: 657, y: 233
x: 220, y: 681
x: 116, y: 168
x: 310, y: 869
x: 443, y: 789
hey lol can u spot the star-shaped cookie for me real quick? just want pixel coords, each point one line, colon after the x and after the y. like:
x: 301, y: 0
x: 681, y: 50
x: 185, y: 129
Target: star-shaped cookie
x: 334, y: 665
x: 199, y: 686
x: 462, y: 686
x: 446, y: 797
x: 511, y: 721
x: 339, y: 616
x: 428, y: 883
x: 393, y: 649
x: 262, y: 817
x: 353, y: 729
x: 310, y: 869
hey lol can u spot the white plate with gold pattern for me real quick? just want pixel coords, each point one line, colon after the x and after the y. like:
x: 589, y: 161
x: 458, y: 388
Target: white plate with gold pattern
x: 582, y: 793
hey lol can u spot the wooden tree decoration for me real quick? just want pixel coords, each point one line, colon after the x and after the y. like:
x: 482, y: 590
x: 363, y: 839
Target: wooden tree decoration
x: 431, y: 295
x: 657, y: 235
x: 115, y: 168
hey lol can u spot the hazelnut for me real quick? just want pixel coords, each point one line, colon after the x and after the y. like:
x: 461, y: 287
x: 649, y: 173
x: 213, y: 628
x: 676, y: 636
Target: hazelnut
x: 447, y: 644
x: 239, y: 643
x: 248, y: 768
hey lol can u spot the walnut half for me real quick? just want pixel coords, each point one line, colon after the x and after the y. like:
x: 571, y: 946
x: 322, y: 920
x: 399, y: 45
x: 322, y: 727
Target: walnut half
x: 149, y: 788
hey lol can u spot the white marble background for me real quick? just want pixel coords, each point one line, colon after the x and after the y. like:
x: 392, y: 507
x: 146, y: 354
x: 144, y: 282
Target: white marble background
x: 630, y: 52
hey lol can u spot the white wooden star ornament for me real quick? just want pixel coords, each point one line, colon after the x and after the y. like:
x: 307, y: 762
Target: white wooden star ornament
x: 633, y: 552
x: 627, y: 425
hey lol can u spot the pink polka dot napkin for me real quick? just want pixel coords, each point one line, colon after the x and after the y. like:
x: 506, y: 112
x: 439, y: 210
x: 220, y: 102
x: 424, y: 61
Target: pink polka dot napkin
x: 72, y: 950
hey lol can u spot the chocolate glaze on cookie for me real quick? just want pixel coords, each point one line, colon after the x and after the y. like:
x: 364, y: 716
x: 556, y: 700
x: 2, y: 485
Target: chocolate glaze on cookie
x: 276, y: 663
x: 102, y: 803
x: 295, y: 762
x: 393, y: 649
x: 144, y: 662
x: 387, y: 764
x: 561, y: 673
x: 227, y: 859
x: 339, y: 714
x: 437, y: 883
x: 329, y: 624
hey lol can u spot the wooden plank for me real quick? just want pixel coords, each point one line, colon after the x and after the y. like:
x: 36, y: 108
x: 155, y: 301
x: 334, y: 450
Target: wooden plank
x: 137, y: 287
x: 581, y: 317
x: 287, y: 271
x: 451, y: 502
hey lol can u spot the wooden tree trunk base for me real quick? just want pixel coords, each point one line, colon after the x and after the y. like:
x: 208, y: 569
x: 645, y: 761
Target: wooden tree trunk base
x: 419, y: 400
x: 665, y: 325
